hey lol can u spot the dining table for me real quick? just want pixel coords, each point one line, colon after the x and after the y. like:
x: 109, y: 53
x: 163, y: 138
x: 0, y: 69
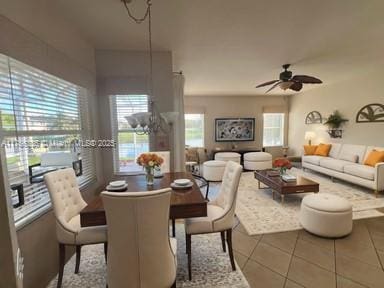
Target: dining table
x: 184, y: 203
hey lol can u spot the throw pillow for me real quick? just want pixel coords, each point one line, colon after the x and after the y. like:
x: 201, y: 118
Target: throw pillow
x: 309, y: 149
x: 349, y: 157
x: 323, y: 149
x: 374, y: 157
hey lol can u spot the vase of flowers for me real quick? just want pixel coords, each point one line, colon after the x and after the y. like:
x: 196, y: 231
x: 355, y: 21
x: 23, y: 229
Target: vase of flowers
x: 149, y: 161
x: 282, y: 164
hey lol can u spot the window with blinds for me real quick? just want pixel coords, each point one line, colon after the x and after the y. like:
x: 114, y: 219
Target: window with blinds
x: 40, y: 114
x: 273, y: 132
x: 129, y: 144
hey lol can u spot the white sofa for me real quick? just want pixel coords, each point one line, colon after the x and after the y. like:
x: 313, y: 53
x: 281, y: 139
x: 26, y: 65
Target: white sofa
x: 345, y: 161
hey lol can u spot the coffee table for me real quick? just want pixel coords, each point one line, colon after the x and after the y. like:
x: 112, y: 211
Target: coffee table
x: 301, y: 185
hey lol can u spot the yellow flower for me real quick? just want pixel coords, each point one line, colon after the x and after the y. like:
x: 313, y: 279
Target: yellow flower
x: 151, y: 163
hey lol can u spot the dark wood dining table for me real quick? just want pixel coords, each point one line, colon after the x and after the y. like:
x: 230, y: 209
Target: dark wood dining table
x: 185, y: 203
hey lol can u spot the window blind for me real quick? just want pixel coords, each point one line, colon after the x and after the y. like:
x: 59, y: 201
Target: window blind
x: 40, y: 113
x: 129, y: 144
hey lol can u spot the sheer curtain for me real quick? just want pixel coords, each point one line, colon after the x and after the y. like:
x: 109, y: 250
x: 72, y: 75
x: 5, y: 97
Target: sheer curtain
x: 178, y: 144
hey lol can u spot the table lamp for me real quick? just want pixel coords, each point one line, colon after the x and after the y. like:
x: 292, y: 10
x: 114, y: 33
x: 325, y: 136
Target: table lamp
x: 309, y: 135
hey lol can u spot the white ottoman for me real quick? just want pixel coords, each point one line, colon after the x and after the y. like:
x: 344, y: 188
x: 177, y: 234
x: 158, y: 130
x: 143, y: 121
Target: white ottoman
x: 213, y: 170
x: 257, y: 161
x: 326, y: 215
x: 228, y: 156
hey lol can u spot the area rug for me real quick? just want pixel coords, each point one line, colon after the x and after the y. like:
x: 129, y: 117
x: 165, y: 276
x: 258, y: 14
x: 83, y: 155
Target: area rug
x: 260, y: 214
x: 210, y: 265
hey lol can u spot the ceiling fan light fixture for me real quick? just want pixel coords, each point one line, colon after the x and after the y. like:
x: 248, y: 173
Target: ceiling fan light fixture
x: 285, y: 85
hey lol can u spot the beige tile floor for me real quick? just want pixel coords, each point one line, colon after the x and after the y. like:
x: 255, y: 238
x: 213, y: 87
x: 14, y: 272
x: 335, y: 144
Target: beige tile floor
x: 299, y: 259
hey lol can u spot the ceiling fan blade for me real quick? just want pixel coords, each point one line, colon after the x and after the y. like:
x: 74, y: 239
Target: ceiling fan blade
x: 306, y: 79
x: 296, y: 86
x: 267, y: 83
x: 274, y: 86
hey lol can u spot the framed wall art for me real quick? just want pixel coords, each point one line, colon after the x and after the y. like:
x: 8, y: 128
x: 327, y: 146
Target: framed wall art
x: 371, y: 113
x: 234, y: 129
x: 313, y: 117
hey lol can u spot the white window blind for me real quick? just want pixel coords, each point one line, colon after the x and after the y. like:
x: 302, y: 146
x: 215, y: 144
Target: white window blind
x: 129, y: 144
x: 40, y: 113
x: 273, y: 132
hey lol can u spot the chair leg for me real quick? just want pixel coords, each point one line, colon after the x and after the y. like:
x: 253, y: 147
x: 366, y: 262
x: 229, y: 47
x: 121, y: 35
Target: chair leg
x: 78, y: 256
x: 189, y: 252
x: 230, y: 251
x: 106, y: 251
x: 207, y: 191
x: 222, y: 234
x: 173, y: 228
x: 61, y: 264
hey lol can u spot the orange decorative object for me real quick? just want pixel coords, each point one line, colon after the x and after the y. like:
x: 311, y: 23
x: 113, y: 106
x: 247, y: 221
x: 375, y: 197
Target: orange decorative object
x: 374, y: 157
x: 310, y: 149
x: 323, y: 149
x: 149, y: 160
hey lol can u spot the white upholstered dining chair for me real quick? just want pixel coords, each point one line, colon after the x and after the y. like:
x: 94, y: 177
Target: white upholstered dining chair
x: 140, y: 252
x: 220, y: 214
x: 166, y: 155
x: 67, y: 203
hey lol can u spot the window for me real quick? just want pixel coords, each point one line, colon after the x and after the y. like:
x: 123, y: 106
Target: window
x: 129, y: 144
x: 194, y: 130
x: 40, y: 113
x: 273, y: 134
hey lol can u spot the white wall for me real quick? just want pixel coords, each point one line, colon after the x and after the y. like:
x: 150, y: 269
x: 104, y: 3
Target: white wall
x: 233, y: 106
x: 34, y: 32
x: 126, y: 72
x: 348, y: 97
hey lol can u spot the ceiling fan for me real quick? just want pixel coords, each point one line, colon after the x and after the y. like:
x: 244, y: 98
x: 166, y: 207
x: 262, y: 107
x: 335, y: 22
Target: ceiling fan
x: 286, y: 81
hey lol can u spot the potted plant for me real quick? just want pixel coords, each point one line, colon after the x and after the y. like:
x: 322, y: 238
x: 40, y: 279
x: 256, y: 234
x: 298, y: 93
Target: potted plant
x: 282, y: 164
x: 334, y: 122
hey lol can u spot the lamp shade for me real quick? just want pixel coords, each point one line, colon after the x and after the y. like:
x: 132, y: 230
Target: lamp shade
x: 309, y: 135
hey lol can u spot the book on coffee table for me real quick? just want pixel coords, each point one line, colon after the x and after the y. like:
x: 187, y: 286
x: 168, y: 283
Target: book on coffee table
x: 288, y: 178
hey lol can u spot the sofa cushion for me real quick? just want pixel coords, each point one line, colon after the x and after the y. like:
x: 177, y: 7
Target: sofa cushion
x: 313, y: 159
x: 335, y: 150
x: 310, y: 149
x: 323, y: 149
x: 334, y: 164
x: 374, y: 157
x: 349, y: 157
x: 358, y: 150
x: 369, y: 149
x: 363, y: 171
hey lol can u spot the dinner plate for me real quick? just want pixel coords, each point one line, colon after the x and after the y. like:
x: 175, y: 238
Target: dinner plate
x: 175, y: 186
x: 117, y: 189
x: 182, y: 182
x: 117, y: 184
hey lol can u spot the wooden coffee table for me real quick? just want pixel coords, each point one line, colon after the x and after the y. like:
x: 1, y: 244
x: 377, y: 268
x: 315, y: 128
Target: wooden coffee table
x: 301, y: 185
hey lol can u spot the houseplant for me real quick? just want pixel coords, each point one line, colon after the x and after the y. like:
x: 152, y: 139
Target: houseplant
x: 149, y: 161
x: 334, y: 122
x: 282, y: 164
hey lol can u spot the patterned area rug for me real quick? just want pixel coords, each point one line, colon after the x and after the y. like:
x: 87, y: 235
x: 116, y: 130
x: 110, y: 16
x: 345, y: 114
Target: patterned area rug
x: 259, y: 214
x: 210, y: 265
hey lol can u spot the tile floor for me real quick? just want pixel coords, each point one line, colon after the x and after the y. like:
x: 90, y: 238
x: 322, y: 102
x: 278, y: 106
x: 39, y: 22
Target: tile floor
x: 299, y: 259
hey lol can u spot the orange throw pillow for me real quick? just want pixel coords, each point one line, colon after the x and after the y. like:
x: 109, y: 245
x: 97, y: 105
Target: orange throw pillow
x: 309, y: 149
x: 374, y: 157
x: 323, y: 149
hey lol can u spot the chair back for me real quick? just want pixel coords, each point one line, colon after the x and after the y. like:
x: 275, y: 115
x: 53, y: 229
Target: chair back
x: 66, y: 199
x: 226, y: 198
x: 139, y: 249
x: 166, y: 166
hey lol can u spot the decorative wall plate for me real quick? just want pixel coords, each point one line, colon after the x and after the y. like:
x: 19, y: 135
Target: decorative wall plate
x: 313, y: 117
x: 371, y: 113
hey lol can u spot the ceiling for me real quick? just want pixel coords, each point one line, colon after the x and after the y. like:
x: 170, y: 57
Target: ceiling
x: 227, y: 47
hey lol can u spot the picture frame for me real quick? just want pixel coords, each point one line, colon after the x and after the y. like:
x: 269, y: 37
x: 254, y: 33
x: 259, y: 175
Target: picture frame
x: 313, y: 117
x: 234, y: 129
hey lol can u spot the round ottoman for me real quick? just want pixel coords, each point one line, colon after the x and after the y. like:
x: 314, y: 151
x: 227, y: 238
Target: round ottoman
x: 228, y: 156
x: 257, y: 161
x: 214, y: 170
x: 326, y: 215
